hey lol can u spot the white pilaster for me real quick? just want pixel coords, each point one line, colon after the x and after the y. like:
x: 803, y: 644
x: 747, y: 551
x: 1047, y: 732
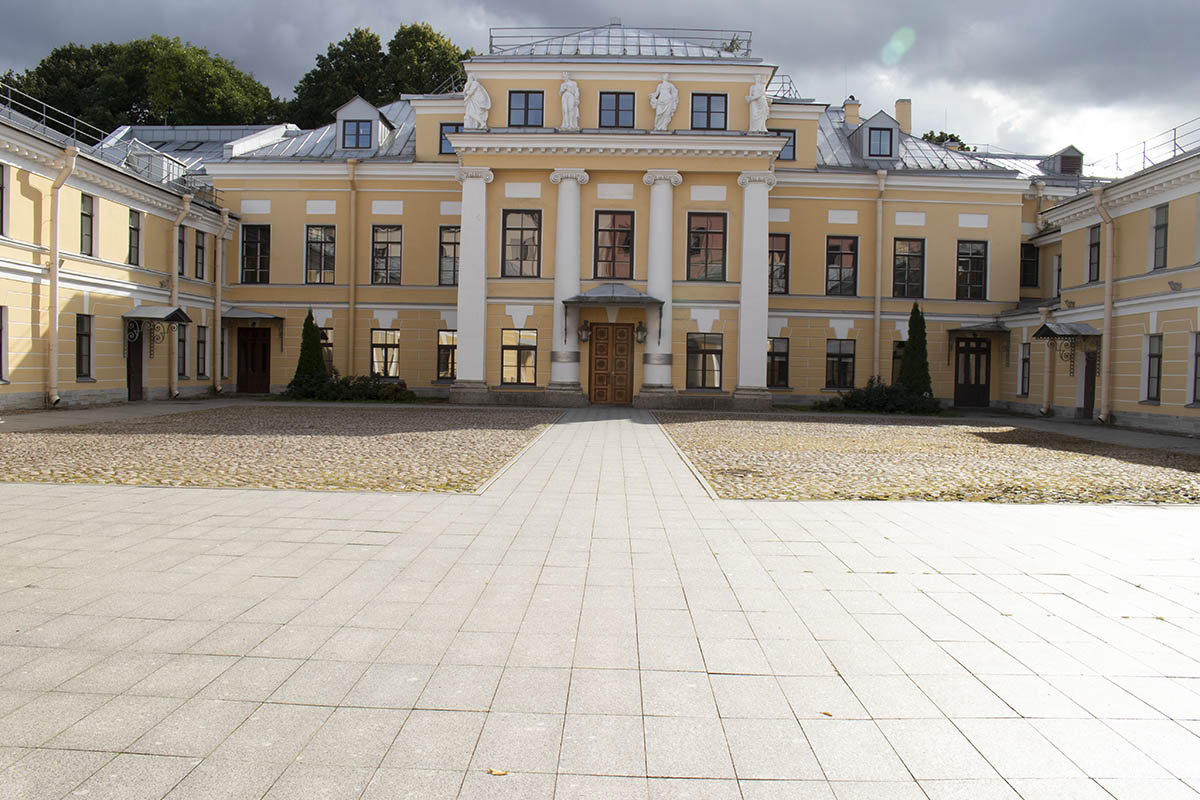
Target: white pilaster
x: 472, y: 278
x: 656, y: 360
x: 564, y: 352
x: 752, y: 309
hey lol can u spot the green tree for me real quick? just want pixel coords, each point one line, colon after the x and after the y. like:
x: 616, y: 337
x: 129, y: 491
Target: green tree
x: 310, y: 370
x: 914, y: 366
x: 943, y: 138
x: 420, y: 60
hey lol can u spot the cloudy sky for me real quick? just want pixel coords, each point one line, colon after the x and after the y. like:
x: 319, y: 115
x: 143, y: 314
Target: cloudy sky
x: 1024, y: 75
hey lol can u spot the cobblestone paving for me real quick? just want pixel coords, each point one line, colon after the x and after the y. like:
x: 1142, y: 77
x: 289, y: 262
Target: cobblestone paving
x: 281, y: 447
x: 871, y: 458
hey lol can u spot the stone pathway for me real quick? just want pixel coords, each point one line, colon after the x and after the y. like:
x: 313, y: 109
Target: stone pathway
x: 593, y: 625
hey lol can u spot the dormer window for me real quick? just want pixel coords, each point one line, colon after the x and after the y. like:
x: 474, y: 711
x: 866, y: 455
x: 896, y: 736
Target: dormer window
x: 880, y: 143
x: 524, y: 109
x: 356, y: 134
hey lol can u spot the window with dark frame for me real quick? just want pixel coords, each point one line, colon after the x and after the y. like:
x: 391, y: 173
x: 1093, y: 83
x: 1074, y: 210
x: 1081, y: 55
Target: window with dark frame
x: 387, y: 245
x: 1160, y: 237
x: 1195, y: 367
x: 83, y: 345
x: 87, y: 224
x: 1154, y: 355
x: 522, y: 256
x: 385, y: 352
x: 778, y: 257
x: 181, y: 351
x: 524, y: 109
x: 3, y: 340
x: 135, y: 238
x: 448, y: 241
x: 704, y: 356
x: 897, y: 360
x: 706, y: 247
x: 327, y: 348
x: 1023, y: 389
x: 1029, y: 265
x: 788, y: 153
x: 1093, y: 253
x: 181, y: 254
x: 614, y: 245
x: 839, y: 363
x: 201, y: 351
x: 879, y: 144
x: 841, y: 265
x: 356, y: 134
x: 518, y: 356
x: 777, y: 361
x: 256, y: 254
x: 3, y: 201
x: 709, y: 111
x: 319, y: 253
x: 201, y: 242
x: 908, y: 268
x: 971, y: 282
x: 616, y: 109
x: 444, y: 146
x: 447, y: 355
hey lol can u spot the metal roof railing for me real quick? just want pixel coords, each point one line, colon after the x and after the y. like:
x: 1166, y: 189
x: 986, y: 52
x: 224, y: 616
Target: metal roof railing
x: 617, y: 40
x: 1170, y: 143
x: 783, y: 87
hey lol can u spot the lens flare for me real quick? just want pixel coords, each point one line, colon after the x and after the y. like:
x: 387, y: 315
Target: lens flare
x: 900, y: 43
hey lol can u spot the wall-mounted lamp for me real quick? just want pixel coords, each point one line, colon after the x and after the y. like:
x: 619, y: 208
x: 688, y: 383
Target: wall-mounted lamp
x: 584, y: 331
x: 639, y: 333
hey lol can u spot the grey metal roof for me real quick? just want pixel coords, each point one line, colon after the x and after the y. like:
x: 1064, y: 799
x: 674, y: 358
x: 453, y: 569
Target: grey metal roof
x: 237, y: 312
x: 612, y: 294
x: 835, y: 150
x: 191, y: 145
x: 1064, y: 330
x: 158, y: 313
x: 399, y: 144
x: 617, y: 40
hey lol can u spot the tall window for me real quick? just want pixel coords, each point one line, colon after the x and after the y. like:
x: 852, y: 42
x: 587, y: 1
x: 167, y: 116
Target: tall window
x: 447, y: 355
x: 778, y: 255
x: 897, y: 360
x: 704, y: 360
x: 356, y: 134
x: 3, y: 202
x: 201, y: 351
x: 444, y: 146
x: 181, y: 351
x: 201, y: 238
x: 1093, y: 258
x: 1057, y: 275
x: 1023, y: 389
x: 386, y: 247
x: 135, y: 238
x: 788, y: 153
x: 1160, y: 237
x: 908, y: 268
x: 524, y: 109
x: 522, y: 244
x: 879, y: 144
x: 708, y: 112
x: 518, y: 356
x: 385, y: 352
x: 1195, y: 363
x: 256, y: 254
x: 87, y: 224
x: 181, y: 251
x: 1154, y: 354
x: 614, y: 244
x: 318, y: 253
x: 327, y: 349
x: 706, y: 247
x: 777, y: 361
x: 616, y: 109
x: 1029, y: 265
x: 448, y: 239
x: 972, y: 271
x: 3, y: 338
x: 841, y: 265
x: 839, y: 363
x: 83, y: 346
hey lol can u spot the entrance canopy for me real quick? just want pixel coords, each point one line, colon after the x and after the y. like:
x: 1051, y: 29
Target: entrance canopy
x: 1064, y: 330
x: 613, y: 294
x: 238, y: 313
x: 157, y: 314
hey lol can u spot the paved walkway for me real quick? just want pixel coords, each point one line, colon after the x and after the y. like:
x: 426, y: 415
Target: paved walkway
x: 593, y: 625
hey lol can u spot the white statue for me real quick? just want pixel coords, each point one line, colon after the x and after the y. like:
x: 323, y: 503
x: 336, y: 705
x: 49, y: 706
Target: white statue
x: 758, y: 105
x: 477, y: 104
x: 569, y: 91
x: 664, y: 100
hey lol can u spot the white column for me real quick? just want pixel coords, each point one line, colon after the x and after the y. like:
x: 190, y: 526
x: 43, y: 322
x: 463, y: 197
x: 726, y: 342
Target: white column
x: 472, y: 283
x: 564, y: 350
x: 752, y: 308
x: 656, y: 360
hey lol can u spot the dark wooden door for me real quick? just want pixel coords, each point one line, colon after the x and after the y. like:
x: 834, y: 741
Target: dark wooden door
x: 1089, y: 385
x: 610, y: 373
x: 972, y: 373
x: 133, y: 359
x: 254, y: 360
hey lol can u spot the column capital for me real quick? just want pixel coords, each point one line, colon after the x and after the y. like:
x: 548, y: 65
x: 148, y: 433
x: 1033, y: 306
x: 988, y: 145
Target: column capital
x: 653, y: 176
x: 570, y: 174
x: 747, y: 178
x: 474, y: 173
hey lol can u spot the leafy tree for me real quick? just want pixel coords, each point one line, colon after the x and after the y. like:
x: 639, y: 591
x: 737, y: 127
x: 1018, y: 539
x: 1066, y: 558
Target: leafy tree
x: 943, y: 138
x: 310, y: 370
x: 914, y: 366
x: 421, y: 60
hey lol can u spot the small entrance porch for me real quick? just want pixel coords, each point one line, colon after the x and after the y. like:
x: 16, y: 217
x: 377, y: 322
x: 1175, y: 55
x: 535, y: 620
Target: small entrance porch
x: 612, y: 343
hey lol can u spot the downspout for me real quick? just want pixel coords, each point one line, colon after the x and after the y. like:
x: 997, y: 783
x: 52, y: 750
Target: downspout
x: 1110, y: 241
x: 881, y: 175
x: 1047, y: 370
x: 52, y: 397
x: 352, y: 168
x: 173, y: 342
x: 218, y: 285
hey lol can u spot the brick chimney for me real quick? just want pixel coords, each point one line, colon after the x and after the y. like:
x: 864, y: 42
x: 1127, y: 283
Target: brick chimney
x: 851, y: 108
x: 904, y: 115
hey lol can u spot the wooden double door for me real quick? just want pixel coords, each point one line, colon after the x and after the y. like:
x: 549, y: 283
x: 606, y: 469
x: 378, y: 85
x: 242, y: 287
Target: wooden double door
x: 254, y: 360
x: 972, y: 373
x: 610, y: 364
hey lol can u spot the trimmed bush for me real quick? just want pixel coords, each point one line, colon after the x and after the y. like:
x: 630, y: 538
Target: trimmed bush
x: 879, y: 398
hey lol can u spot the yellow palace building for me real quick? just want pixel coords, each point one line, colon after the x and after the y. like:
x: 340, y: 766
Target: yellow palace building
x: 610, y: 216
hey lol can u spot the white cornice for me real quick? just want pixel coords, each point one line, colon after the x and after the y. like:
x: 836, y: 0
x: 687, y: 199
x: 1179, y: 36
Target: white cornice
x: 437, y: 105
x: 287, y: 169
x: 1130, y: 194
x: 925, y: 182
x: 549, y: 69
x: 796, y: 111
x: 616, y: 144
